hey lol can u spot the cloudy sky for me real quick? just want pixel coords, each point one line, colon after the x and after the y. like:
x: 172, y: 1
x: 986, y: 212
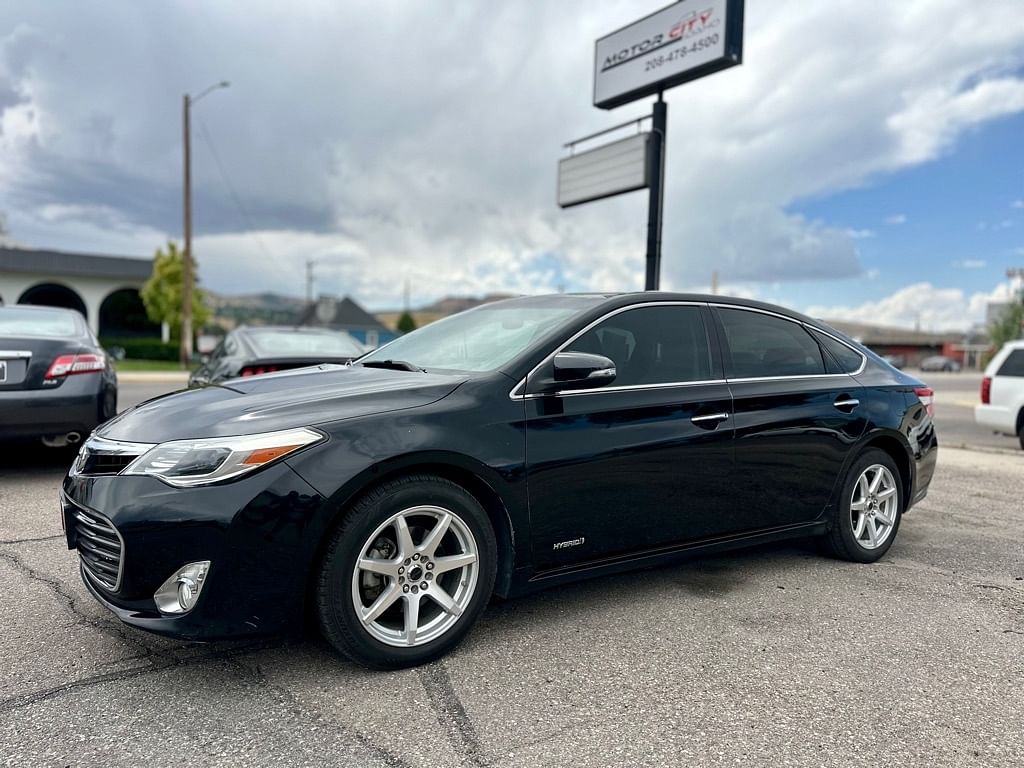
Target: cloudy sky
x: 865, y: 162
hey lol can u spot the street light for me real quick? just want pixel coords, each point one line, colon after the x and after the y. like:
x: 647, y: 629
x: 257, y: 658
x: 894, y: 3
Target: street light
x: 186, y: 267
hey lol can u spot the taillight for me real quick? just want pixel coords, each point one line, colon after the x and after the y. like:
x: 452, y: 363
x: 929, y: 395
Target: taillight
x: 256, y: 370
x: 927, y: 397
x: 986, y: 390
x: 69, y: 365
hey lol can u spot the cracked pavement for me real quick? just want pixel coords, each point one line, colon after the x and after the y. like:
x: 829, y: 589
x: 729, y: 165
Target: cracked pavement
x: 771, y: 656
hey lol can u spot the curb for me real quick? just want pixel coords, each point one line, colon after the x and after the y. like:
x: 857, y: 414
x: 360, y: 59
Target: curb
x: 151, y: 377
x: 982, y: 449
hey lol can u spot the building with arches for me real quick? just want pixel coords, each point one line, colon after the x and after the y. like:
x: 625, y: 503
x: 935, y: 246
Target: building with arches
x: 105, y: 289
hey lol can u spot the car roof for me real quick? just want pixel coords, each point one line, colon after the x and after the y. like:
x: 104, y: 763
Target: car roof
x: 606, y: 301
x: 40, y: 308
x: 285, y: 328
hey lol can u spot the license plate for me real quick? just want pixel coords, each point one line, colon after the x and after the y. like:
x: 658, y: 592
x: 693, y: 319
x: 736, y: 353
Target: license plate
x: 3, y: 371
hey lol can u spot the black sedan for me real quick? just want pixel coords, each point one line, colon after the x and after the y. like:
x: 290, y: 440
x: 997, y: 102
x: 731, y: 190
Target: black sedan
x: 252, y: 351
x: 56, y: 382
x: 515, y: 446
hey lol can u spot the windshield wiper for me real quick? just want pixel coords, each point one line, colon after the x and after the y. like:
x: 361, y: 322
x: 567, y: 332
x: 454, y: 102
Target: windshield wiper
x: 392, y: 365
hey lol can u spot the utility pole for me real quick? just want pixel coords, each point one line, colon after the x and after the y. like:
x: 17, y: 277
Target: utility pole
x: 185, y: 350
x: 656, y: 176
x: 309, y: 282
x: 187, y: 263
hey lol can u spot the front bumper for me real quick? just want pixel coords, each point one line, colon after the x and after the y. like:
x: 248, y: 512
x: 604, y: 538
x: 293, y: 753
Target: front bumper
x: 259, y: 533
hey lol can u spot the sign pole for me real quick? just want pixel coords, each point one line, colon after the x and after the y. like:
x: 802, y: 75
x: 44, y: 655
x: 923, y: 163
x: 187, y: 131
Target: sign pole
x: 656, y: 175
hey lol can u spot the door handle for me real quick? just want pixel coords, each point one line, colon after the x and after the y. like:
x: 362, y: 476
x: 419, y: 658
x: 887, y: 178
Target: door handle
x: 846, y: 403
x: 710, y: 420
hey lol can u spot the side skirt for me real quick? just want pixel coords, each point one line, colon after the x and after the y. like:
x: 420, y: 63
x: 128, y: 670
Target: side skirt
x: 525, y: 580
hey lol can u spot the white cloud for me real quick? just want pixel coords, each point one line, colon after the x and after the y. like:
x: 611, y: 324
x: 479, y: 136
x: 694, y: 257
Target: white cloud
x: 1017, y: 204
x: 435, y: 160
x: 970, y: 263
x: 920, y: 305
x: 859, y: 234
x: 896, y: 219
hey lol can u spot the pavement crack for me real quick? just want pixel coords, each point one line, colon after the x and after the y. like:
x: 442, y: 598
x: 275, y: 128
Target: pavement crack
x: 109, y: 628
x: 32, y: 540
x: 451, y: 715
x: 166, y: 662
x: 257, y: 677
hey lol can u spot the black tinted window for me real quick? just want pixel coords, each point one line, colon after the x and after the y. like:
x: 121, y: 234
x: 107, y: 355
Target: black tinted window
x: 839, y: 358
x: 765, y: 345
x: 652, y: 345
x: 1013, y: 365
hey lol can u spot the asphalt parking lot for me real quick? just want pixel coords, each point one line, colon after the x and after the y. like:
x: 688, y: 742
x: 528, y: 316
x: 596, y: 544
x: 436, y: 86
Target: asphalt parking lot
x: 773, y: 656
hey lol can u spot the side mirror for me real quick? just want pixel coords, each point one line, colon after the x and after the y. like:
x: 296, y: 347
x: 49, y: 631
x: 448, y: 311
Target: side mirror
x: 578, y: 370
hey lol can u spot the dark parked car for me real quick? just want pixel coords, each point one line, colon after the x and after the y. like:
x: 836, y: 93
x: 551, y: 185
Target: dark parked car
x: 516, y: 446
x: 56, y: 382
x: 940, y: 363
x: 252, y: 351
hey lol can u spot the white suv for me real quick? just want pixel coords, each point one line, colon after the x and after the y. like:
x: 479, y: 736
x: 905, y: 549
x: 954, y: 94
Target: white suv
x: 1002, y: 392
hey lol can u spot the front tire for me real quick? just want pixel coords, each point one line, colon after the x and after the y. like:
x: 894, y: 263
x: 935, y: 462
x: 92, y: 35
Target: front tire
x: 407, y: 573
x: 870, y: 507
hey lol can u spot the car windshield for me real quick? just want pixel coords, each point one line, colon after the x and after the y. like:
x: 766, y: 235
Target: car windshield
x: 480, y: 339
x: 272, y: 343
x: 36, y: 322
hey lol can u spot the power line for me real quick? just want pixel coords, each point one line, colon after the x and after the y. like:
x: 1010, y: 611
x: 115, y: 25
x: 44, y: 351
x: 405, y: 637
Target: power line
x: 252, y: 230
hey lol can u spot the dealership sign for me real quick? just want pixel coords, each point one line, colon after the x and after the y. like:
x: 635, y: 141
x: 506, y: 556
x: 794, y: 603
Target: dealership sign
x: 612, y: 169
x: 687, y: 40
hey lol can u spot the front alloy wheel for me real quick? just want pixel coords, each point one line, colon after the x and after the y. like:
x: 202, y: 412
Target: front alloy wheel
x: 416, y: 576
x: 406, y: 573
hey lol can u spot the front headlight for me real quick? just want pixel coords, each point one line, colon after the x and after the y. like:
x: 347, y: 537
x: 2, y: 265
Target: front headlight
x: 212, y: 459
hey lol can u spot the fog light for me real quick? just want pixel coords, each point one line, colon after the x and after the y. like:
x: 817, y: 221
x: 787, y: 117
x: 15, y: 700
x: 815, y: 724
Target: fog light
x: 180, y: 593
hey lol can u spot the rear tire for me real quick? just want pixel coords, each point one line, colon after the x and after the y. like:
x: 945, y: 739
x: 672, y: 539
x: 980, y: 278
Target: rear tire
x: 407, y: 573
x: 107, y: 405
x: 867, y: 516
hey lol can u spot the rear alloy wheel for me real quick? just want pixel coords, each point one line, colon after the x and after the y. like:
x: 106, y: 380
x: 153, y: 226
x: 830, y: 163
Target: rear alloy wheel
x: 869, y: 511
x: 407, y: 573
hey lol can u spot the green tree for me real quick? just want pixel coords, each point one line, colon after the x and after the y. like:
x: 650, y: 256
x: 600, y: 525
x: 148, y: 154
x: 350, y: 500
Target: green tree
x: 162, y: 292
x: 1009, y: 325
x: 406, y: 323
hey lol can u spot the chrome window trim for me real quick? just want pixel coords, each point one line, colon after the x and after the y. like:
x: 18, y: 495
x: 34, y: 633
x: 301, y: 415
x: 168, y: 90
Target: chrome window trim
x: 671, y: 385
x: 512, y: 394
x: 806, y: 326
x: 627, y: 388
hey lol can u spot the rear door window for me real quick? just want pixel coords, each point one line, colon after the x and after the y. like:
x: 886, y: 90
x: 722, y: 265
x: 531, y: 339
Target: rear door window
x: 761, y: 345
x: 1013, y: 365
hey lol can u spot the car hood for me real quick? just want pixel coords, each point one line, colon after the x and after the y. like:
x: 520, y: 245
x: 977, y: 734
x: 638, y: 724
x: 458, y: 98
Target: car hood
x: 296, y: 398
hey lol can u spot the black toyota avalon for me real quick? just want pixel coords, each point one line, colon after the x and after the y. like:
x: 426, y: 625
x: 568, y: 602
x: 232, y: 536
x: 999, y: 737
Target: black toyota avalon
x: 512, y: 447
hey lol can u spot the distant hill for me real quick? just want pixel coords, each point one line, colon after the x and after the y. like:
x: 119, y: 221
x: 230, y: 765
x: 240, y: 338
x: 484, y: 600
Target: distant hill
x: 230, y: 311
x: 449, y: 305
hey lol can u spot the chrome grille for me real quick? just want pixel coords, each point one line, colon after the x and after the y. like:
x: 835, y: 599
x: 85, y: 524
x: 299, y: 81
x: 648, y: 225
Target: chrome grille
x: 100, y: 548
x: 106, y: 457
